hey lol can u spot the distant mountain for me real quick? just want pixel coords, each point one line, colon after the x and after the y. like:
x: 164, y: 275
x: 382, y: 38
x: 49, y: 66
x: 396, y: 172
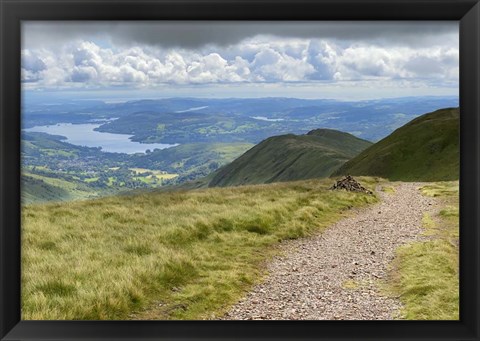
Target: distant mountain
x: 186, y: 120
x: 425, y: 149
x: 291, y: 157
x: 251, y: 120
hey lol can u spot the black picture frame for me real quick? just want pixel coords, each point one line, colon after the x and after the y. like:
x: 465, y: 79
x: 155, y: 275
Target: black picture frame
x: 467, y: 12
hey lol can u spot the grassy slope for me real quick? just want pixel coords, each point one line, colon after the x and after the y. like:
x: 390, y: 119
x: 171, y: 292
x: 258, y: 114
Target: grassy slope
x: 36, y: 190
x: 188, y: 254
x: 291, y: 157
x: 39, y: 189
x: 425, y: 274
x: 425, y: 149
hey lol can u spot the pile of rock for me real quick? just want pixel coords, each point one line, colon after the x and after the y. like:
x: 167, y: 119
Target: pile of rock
x: 350, y: 184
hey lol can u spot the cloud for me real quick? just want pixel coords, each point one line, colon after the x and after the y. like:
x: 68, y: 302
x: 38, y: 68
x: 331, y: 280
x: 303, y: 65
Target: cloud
x: 32, y: 62
x: 32, y: 65
x: 423, y: 66
x: 152, y: 54
x: 272, y: 65
x: 323, y: 56
x: 258, y: 59
x: 195, y: 34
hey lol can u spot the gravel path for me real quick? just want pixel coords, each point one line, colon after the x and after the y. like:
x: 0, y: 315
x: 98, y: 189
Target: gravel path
x: 334, y: 275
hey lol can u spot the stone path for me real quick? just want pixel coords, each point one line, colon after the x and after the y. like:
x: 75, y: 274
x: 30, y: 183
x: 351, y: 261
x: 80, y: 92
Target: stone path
x: 334, y: 275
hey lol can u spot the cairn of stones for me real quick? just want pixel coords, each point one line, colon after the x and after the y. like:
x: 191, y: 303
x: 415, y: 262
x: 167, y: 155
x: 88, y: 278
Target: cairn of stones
x: 348, y: 183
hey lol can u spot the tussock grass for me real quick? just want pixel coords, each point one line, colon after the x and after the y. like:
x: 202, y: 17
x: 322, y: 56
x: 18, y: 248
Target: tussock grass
x: 425, y: 274
x: 388, y: 189
x: 174, y: 255
x: 429, y: 225
x: 441, y: 189
x: 350, y: 284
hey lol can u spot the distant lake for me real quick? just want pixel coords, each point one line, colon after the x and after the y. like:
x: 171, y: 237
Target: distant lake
x: 85, y: 135
x: 192, y: 109
x: 263, y: 118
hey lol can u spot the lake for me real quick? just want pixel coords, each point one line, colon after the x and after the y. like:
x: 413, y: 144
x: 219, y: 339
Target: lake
x: 263, y: 118
x: 85, y: 135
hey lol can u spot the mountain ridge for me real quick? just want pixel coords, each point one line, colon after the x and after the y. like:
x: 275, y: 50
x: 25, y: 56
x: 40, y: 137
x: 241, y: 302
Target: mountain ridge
x: 290, y: 157
x: 424, y: 149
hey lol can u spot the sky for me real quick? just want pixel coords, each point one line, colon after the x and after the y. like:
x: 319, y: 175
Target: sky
x: 339, y: 60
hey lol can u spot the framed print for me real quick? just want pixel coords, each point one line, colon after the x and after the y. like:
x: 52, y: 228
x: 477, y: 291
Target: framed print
x: 239, y: 170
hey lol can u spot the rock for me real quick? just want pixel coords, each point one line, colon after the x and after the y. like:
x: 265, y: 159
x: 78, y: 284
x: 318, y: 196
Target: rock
x: 350, y: 184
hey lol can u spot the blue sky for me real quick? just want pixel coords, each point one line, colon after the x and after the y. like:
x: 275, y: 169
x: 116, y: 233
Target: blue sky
x: 341, y: 60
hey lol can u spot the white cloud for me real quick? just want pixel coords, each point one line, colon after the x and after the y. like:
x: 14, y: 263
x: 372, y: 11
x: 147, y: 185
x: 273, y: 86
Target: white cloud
x: 360, y: 62
x: 265, y: 58
x: 32, y: 62
x: 272, y: 65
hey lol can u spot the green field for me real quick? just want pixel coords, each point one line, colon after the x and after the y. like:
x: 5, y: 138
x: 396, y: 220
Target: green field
x: 150, y: 176
x: 425, y: 274
x: 174, y: 255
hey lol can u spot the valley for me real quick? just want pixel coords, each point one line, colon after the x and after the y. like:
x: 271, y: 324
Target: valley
x: 94, y: 145
x: 223, y: 220
x: 89, y: 172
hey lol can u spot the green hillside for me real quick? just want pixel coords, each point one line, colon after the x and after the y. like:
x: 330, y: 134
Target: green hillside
x: 39, y: 189
x: 36, y: 190
x: 291, y: 157
x: 425, y: 149
x: 175, y: 255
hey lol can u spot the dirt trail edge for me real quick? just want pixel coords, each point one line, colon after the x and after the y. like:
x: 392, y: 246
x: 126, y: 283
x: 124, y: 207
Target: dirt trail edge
x: 334, y: 275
